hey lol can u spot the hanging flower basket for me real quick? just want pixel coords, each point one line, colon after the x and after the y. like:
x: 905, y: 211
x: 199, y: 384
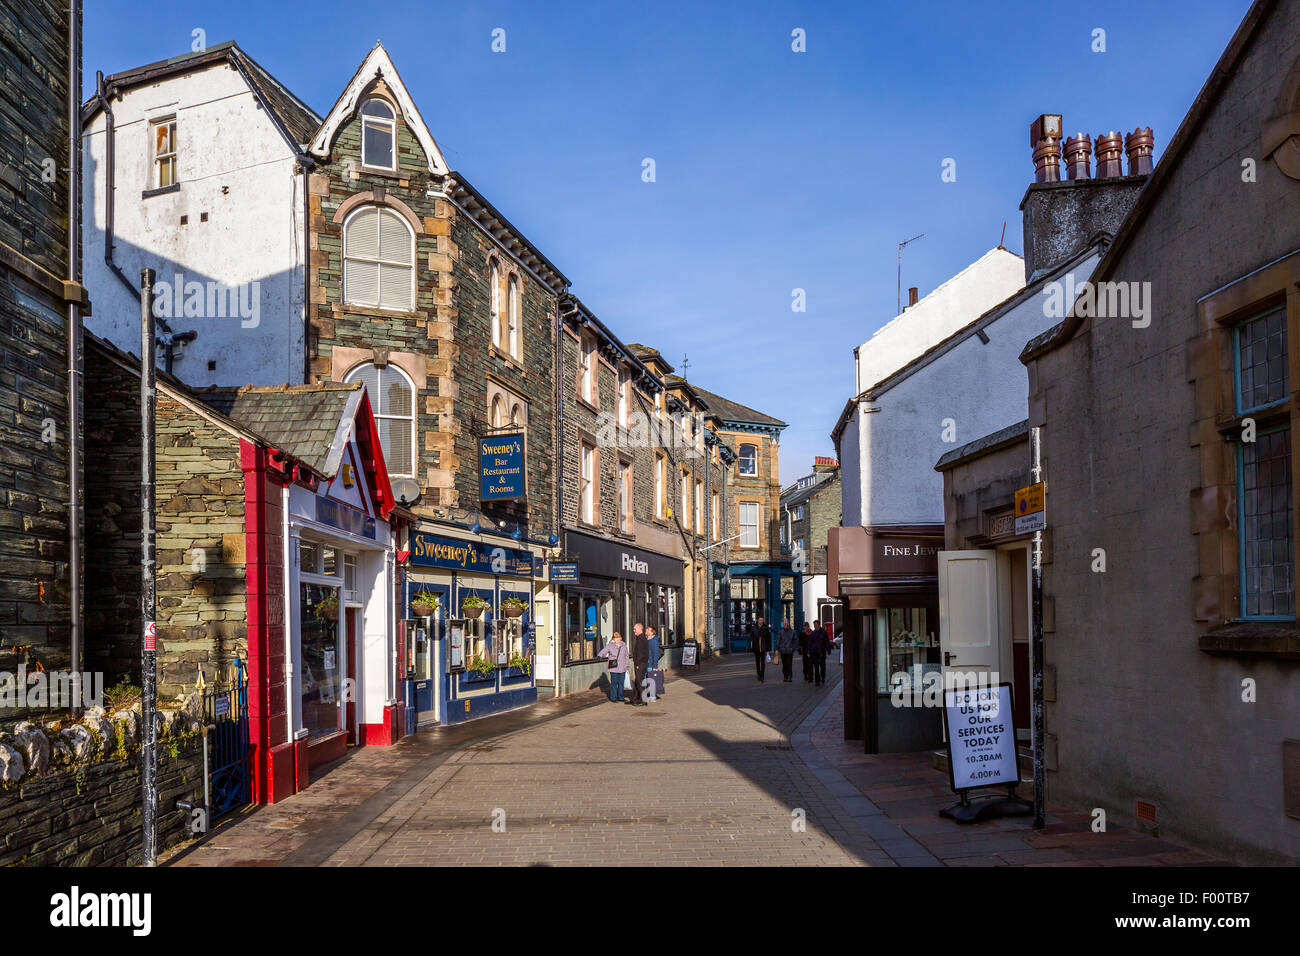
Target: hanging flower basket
x: 472, y: 607
x: 425, y: 603
x: 513, y: 607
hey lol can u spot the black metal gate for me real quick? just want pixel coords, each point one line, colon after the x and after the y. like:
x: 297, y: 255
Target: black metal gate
x: 225, y: 710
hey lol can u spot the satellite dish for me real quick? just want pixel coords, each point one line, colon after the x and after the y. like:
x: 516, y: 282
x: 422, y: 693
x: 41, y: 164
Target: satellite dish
x: 406, y: 489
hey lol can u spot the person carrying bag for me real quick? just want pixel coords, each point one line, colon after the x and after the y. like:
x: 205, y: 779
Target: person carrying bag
x: 616, y: 653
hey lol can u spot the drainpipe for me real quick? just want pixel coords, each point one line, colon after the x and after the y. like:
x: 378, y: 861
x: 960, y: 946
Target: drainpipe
x: 148, y: 567
x: 74, y: 346
x: 1037, y: 733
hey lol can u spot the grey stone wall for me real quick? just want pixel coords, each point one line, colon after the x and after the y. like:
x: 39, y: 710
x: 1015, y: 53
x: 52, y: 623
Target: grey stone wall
x: 1138, y: 711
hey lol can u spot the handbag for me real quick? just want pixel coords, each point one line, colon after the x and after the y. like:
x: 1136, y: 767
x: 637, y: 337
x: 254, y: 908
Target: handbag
x: 627, y: 680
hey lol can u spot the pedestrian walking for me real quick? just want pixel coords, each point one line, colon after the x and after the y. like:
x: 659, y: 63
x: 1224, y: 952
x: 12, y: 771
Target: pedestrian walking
x: 803, y: 651
x: 640, y: 652
x: 817, y: 654
x: 760, y: 642
x: 786, y: 642
x: 616, y: 653
x: 652, y: 644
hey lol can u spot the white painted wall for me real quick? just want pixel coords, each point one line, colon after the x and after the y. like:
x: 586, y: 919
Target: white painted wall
x: 981, y: 388
x: 851, y: 470
x: 234, y: 165
x: 969, y: 294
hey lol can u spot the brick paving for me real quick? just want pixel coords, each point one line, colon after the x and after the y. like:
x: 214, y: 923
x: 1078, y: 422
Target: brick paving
x: 710, y: 775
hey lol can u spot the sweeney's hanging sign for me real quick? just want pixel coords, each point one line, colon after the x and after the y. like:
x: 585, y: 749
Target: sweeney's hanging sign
x: 501, y: 466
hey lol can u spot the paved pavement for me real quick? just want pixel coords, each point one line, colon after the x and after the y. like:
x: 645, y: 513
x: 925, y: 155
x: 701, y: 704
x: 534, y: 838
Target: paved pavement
x: 720, y: 771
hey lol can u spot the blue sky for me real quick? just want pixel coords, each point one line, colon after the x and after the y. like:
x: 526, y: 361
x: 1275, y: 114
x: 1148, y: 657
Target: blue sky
x: 775, y: 170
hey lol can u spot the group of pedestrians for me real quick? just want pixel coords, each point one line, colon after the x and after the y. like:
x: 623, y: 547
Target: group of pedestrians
x: 634, y: 664
x: 813, y: 644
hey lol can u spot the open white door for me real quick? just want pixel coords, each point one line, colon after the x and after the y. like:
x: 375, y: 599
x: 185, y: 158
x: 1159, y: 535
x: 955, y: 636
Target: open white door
x: 968, y: 613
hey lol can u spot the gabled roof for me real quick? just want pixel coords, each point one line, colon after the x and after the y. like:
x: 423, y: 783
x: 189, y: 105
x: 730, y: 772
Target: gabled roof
x: 795, y: 495
x: 294, y: 118
x: 1205, y: 100
x: 377, y: 64
x: 727, y: 411
x: 310, y: 422
x: 1096, y: 245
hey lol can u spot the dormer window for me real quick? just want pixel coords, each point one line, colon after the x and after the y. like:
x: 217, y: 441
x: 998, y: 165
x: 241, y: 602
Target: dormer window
x: 378, y: 135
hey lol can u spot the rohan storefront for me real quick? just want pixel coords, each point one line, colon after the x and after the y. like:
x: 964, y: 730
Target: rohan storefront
x: 618, y: 585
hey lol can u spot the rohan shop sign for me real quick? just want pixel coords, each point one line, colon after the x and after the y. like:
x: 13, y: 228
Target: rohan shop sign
x: 435, y: 551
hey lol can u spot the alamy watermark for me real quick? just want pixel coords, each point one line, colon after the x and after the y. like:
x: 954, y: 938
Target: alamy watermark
x: 926, y: 688
x: 208, y: 300
x: 679, y: 432
x: 1099, y: 300
x: 42, y: 689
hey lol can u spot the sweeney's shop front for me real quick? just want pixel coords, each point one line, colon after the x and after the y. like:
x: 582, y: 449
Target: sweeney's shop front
x: 470, y: 608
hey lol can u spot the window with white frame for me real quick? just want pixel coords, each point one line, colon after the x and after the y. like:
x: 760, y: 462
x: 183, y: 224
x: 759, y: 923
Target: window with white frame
x: 660, y: 491
x: 378, y: 135
x: 699, y: 507
x: 625, y: 497
x: 164, y: 152
x: 512, y: 317
x: 747, y: 461
x: 494, y: 301
x: 378, y: 260
x: 685, y: 515
x: 748, y: 519
x: 587, y: 368
x: 505, y: 408
x: 713, y: 517
x: 587, y: 491
x: 624, y: 395
x: 392, y: 399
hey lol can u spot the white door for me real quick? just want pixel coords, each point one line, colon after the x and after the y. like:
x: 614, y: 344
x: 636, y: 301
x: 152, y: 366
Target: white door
x: 968, y: 614
x: 545, y: 661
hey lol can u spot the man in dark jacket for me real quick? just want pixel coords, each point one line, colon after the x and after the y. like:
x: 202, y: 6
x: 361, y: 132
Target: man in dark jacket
x: 641, y: 658
x: 760, y: 641
x: 817, y: 646
x: 803, y: 651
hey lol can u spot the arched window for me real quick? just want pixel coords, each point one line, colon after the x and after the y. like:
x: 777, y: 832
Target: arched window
x: 378, y: 260
x: 392, y: 398
x: 512, y: 311
x: 747, y: 462
x: 378, y: 135
x: 494, y: 277
x: 498, y: 411
x: 517, y: 414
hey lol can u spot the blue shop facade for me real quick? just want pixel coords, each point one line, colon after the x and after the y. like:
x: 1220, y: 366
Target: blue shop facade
x: 768, y: 589
x: 470, y: 627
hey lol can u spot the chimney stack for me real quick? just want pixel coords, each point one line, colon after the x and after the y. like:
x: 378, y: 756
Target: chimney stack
x: 911, y: 296
x: 1060, y: 218
x: 1110, y: 147
x: 1139, y: 145
x: 1045, y: 138
x: 1078, y: 156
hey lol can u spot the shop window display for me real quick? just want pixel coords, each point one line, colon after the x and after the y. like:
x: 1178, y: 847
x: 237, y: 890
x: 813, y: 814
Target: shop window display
x: 906, y: 649
x: 321, y: 659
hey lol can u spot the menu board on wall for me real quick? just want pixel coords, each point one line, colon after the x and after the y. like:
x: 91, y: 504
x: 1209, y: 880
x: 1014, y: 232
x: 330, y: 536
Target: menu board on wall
x: 456, y: 645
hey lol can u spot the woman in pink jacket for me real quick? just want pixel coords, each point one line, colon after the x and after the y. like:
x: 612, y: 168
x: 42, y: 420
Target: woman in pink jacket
x: 616, y: 653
